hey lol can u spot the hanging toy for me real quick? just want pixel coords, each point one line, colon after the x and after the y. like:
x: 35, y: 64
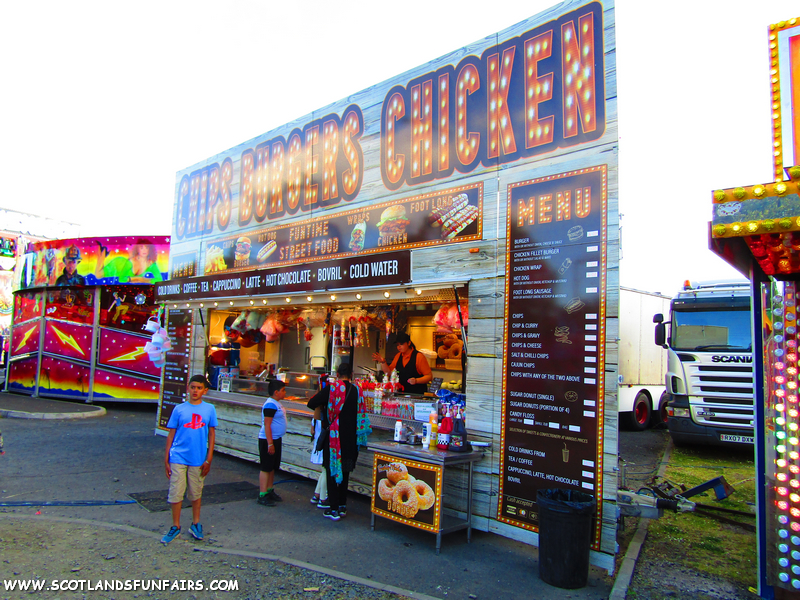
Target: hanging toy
x: 159, y: 343
x: 327, y: 327
x: 365, y: 327
x: 389, y: 326
x: 346, y: 325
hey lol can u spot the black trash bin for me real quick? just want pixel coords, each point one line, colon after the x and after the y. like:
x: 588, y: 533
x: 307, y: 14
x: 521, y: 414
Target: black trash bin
x: 565, y: 536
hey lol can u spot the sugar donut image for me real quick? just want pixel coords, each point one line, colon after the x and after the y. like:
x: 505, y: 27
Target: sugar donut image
x: 455, y: 351
x: 443, y: 351
x: 450, y: 339
x: 386, y: 490
x: 406, y: 500
x: 396, y: 472
x: 426, y: 496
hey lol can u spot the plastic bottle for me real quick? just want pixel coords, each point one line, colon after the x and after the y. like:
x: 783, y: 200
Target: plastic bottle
x: 458, y: 438
x: 398, y: 430
x: 445, y: 429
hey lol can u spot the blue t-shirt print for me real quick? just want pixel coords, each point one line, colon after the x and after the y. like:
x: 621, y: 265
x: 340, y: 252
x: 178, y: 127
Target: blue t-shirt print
x: 196, y: 422
x: 191, y: 423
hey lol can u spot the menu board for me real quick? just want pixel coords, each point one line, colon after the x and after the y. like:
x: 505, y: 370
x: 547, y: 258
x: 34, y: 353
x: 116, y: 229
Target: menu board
x: 176, y: 369
x: 554, y: 341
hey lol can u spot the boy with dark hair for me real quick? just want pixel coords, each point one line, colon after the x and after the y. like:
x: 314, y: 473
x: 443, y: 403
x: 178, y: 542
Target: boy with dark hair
x: 273, y: 429
x: 190, y: 449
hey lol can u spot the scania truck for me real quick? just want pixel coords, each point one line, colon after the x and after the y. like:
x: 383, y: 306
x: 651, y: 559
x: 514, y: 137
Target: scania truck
x: 709, y: 380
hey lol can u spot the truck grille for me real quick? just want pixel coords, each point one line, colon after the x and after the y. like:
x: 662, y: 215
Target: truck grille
x: 721, y: 395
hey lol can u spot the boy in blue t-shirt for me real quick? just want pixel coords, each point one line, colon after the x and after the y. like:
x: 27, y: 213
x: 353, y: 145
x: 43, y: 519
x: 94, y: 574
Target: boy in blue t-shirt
x: 190, y: 448
x: 273, y: 428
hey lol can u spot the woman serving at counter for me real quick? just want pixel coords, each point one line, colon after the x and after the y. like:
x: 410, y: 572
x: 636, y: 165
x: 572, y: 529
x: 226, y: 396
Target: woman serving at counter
x: 412, y: 366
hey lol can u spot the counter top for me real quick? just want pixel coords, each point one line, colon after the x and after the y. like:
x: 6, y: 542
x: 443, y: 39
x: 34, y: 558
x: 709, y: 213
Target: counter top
x: 248, y: 400
x: 432, y: 455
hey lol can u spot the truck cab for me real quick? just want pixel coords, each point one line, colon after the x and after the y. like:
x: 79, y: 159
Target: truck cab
x: 709, y: 380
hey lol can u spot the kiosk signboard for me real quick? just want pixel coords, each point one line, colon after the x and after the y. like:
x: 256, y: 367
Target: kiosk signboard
x: 554, y: 340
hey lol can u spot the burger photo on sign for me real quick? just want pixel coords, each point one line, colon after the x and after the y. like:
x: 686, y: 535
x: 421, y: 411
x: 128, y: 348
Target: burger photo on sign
x: 393, y: 221
x: 242, y: 248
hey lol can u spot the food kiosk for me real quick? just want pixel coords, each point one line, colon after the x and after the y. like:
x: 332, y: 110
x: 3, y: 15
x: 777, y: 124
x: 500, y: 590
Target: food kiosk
x: 471, y: 204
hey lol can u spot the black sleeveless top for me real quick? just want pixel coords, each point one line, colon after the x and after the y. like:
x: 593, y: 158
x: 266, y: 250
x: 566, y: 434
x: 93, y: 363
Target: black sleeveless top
x: 409, y: 371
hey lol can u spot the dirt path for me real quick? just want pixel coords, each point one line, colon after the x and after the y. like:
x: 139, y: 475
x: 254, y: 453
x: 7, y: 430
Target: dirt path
x: 92, y: 556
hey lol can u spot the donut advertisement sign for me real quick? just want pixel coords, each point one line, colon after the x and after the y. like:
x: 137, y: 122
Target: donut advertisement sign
x: 407, y: 491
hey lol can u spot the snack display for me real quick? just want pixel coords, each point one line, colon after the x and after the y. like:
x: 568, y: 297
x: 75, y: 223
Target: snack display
x: 574, y: 305
x: 357, y: 237
x: 426, y: 496
x: 242, y: 248
x: 403, y: 493
x: 459, y: 221
x: 215, y: 260
x: 439, y: 216
x: 386, y: 490
x: 266, y: 250
x: 397, y: 472
x: 393, y: 221
x: 575, y: 233
x: 405, y: 500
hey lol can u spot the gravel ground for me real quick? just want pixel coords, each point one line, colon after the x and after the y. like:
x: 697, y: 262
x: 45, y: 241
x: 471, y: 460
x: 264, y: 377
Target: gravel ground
x: 655, y: 577
x: 48, y: 550
x: 655, y: 580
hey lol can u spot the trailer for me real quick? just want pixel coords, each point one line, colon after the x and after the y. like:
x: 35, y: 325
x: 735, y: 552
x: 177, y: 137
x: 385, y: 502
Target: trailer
x: 642, y: 364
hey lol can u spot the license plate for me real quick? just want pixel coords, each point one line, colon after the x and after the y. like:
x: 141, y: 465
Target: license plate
x: 738, y: 439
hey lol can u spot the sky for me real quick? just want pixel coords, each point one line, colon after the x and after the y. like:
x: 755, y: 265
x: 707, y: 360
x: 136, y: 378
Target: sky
x: 104, y: 101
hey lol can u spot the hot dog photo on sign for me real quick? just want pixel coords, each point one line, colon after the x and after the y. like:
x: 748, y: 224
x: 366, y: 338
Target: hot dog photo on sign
x: 435, y: 218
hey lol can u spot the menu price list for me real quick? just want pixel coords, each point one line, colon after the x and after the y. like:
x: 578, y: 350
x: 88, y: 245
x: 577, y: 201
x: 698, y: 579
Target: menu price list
x: 554, y: 346
x: 176, y: 369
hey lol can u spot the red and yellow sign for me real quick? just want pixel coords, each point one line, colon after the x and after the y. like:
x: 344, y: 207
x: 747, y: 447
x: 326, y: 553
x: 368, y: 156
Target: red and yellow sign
x: 124, y: 387
x: 68, y: 339
x: 125, y: 351
x: 24, y: 339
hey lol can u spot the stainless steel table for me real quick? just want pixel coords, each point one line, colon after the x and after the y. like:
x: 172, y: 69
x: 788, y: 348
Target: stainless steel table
x: 437, y: 462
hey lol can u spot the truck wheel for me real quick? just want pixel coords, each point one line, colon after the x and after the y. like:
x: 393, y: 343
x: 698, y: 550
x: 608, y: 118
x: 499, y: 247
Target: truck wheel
x: 639, y: 418
x: 659, y: 418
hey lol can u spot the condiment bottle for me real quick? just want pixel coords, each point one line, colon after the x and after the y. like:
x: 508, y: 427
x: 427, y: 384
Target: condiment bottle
x: 398, y: 430
x: 458, y: 439
x: 445, y: 429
